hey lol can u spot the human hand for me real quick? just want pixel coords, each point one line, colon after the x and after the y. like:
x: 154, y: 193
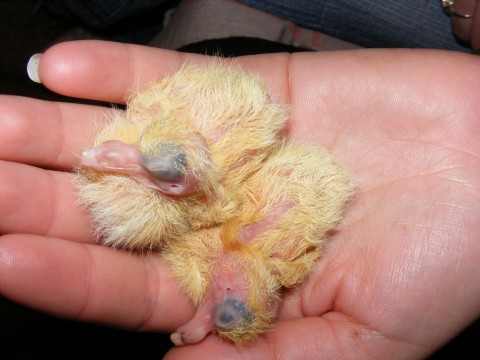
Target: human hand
x: 401, y: 278
x: 465, y: 18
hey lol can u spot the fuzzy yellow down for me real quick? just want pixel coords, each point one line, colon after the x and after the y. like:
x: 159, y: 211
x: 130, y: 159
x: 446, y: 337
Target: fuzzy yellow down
x: 266, y: 202
x: 217, y: 109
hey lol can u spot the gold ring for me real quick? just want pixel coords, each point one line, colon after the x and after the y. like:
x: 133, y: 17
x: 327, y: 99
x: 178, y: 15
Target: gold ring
x: 447, y: 6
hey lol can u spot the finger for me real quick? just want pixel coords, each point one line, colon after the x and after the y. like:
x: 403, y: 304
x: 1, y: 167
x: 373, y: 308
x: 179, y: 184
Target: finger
x: 47, y: 134
x: 104, y: 70
x: 462, y: 27
x: 112, y: 72
x: 91, y: 283
x: 42, y: 202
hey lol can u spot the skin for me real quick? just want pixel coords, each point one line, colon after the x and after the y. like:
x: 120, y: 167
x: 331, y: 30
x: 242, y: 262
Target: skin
x: 467, y: 30
x: 400, y: 279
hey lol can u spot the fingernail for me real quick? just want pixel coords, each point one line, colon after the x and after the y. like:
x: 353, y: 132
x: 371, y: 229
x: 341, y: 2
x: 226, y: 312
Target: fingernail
x: 32, y: 68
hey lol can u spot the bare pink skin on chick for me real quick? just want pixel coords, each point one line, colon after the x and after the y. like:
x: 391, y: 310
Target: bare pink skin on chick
x: 223, y: 308
x: 240, y: 298
x: 162, y: 174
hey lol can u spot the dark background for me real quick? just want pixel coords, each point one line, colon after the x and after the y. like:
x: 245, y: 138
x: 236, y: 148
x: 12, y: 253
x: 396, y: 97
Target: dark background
x: 26, y: 29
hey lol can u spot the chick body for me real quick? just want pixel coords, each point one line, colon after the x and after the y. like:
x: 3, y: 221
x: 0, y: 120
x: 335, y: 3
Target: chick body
x: 224, y: 123
x: 288, y: 208
x: 199, y: 168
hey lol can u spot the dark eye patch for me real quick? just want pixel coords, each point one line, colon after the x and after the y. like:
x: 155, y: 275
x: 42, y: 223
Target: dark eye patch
x: 168, y: 163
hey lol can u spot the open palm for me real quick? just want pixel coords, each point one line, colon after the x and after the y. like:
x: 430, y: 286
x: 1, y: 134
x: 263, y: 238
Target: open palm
x: 399, y: 278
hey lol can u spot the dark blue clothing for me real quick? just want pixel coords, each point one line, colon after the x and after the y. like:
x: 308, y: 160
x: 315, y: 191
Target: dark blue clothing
x: 370, y: 23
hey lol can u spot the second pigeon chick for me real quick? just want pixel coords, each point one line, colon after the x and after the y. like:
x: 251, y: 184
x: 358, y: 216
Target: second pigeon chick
x: 234, y: 273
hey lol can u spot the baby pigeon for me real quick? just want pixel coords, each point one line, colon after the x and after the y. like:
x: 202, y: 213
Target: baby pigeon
x: 199, y: 168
